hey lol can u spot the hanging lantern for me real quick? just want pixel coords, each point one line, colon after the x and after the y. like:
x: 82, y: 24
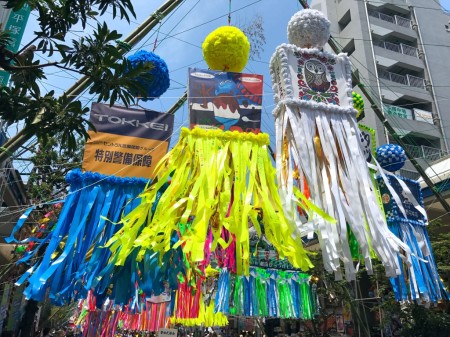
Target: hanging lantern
x: 160, y: 82
x: 391, y: 157
x: 226, y: 49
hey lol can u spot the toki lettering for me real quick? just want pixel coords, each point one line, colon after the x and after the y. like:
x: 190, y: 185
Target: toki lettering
x: 132, y: 122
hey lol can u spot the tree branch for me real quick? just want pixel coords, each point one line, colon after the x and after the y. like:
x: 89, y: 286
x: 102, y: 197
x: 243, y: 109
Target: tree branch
x: 33, y: 66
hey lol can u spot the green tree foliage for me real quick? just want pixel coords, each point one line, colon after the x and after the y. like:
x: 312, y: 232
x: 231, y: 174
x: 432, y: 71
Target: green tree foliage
x: 424, y: 322
x: 411, y: 319
x: 98, y: 55
x: 51, y: 164
x: 440, y: 242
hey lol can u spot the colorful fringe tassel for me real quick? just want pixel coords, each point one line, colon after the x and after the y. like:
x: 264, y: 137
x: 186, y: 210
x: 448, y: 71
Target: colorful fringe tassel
x: 74, y: 253
x: 267, y: 293
x: 217, y: 180
x: 419, y: 279
x: 100, y: 323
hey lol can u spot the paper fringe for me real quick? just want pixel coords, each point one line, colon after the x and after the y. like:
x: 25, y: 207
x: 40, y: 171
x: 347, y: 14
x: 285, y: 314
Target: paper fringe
x: 325, y: 148
x: 100, y: 323
x: 420, y: 280
x: 217, y: 180
x: 267, y: 293
x: 75, y: 246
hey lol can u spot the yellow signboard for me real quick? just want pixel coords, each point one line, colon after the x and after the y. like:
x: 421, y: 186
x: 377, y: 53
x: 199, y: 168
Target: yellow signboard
x: 127, y: 142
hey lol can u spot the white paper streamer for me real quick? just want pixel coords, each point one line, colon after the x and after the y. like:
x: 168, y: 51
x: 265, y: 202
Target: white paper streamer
x: 321, y: 140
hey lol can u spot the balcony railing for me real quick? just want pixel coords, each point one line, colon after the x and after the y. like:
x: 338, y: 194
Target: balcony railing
x: 408, y: 80
x: 395, y: 19
x: 398, y: 48
x: 425, y: 152
x: 414, y: 81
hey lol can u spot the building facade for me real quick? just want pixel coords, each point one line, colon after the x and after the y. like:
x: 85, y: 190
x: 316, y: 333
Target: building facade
x: 400, y: 49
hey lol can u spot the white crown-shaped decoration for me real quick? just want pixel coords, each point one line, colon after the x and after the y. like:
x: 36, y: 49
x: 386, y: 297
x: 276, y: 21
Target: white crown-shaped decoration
x: 308, y: 28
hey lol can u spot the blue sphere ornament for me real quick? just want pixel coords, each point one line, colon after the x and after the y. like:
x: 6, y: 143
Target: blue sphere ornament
x: 391, y: 157
x: 160, y: 81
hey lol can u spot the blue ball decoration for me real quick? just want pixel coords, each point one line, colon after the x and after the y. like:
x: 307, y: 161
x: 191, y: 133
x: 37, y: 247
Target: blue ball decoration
x: 160, y: 81
x: 391, y: 157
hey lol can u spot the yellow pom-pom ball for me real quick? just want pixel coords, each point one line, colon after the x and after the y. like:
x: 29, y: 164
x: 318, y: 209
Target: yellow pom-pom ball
x: 226, y: 49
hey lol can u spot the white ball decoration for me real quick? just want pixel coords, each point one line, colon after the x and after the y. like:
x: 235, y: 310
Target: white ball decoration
x: 308, y: 28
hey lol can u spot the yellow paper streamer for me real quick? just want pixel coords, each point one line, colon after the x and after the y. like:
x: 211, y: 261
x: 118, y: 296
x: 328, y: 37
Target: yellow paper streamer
x: 206, y: 317
x: 209, y: 170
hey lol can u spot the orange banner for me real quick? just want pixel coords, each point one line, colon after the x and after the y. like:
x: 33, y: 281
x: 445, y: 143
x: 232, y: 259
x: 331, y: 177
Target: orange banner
x: 128, y: 142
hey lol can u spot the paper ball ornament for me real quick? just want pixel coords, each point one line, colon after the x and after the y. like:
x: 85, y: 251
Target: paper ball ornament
x: 308, y: 28
x: 226, y: 49
x: 20, y: 249
x: 391, y: 157
x: 358, y: 103
x: 159, y: 82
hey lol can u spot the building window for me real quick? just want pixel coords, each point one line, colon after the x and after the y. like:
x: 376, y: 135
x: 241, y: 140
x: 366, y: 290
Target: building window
x: 345, y: 20
x: 349, y: 47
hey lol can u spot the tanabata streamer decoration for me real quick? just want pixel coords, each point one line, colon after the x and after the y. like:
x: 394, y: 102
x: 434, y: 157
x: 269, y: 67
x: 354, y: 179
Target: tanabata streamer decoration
x: 75, y: 259
x: 419, y: 279
x: 74, y: 249
x: 207, y: 302
x: 106, y: 322
x: 267, y: 293
x: 226, y: 49
x: 319, y: 152
x: 158, y: 71
x: 220, y: 184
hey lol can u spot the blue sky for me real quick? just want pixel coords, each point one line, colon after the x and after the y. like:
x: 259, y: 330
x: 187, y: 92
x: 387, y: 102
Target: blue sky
x: 179, y: 44
x: 446, y: 4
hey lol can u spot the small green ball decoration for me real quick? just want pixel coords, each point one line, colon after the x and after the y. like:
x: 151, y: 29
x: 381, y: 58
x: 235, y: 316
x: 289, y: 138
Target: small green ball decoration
x: 358, y: 103
x: 226, y: 49
x: 20, y: 249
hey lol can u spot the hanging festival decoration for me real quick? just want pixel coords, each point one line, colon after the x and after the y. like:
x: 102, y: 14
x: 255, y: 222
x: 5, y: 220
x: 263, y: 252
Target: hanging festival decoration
x: 75, y: 260
x: 110, y: 319
x: 220, y: 181
x: 318, y: 149
x: 358, y: 104
x: 267, y: 293
x: 159, y: 80
x: 226, y: 49
x: 80, y: 227
x: 391, y: 157
x: 229, y: 101
x: 419, y: 279
x: 207, y: 301
x: 368, y: 142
